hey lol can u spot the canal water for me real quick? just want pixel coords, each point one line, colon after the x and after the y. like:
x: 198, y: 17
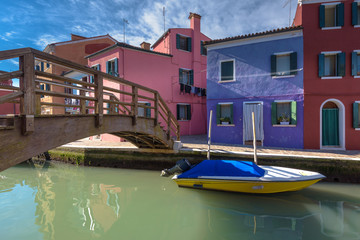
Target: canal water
x: 69, y: 202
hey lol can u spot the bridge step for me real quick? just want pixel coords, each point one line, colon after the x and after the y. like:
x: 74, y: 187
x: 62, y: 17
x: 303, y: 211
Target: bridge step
x: 7, y: 122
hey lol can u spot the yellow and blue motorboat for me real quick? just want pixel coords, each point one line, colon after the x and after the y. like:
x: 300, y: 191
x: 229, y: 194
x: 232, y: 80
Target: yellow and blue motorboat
x: 241, y: 176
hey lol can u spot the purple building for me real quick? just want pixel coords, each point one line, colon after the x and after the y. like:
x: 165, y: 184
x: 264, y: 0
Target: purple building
x: 260, y: 73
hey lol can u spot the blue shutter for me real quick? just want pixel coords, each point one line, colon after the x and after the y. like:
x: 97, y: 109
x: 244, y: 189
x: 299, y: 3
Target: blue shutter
x: 354, y: 13
x: 180, y: 76
x: 47, y: 87
x: 354, y: 63
x: 355, y: 115
x: 293, y: 63
x: 148, y: 111
x: 116, y: 70
x: 189, y: 44
x: 201, y: 47
x: 188, y: 112
x: 42, y: 86
x: 37, y: 67
x: 273, y: 65
x: 340, y: 14
x: 42, y: 66
x: 322, y: 16
x: 192, y: 77
x: 341, y: 64
x: 108, y: 67
x: 98, y: 67
x: 321, y: 65
x: 177, y: 41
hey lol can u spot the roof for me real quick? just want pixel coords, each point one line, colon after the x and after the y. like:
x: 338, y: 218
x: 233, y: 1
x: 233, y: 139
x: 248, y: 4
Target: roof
x: 161, y: 38
x: 125, y: 45
x: 269, y: 32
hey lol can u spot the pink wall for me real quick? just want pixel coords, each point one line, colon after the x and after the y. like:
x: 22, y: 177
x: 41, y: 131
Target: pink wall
x: 8, y: 108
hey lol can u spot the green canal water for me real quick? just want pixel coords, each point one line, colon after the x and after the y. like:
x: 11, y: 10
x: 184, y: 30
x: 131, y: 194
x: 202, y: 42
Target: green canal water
x: 70, y: 202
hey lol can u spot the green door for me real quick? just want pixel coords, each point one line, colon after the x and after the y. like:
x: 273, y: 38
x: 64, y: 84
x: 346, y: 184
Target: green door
x: 330, y: 127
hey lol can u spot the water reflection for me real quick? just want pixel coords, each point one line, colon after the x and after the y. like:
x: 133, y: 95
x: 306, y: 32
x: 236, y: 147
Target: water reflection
x: 96, y: 203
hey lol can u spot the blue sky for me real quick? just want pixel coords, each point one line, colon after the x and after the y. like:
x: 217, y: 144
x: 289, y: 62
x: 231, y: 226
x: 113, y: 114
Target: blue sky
x: 36, y: 23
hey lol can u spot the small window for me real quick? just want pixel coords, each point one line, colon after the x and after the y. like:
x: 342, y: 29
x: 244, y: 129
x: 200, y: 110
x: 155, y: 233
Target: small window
x: 183, y: 42
x: 355, y: 17
x: 112, y: 67
x: 356, y: 115
x: 96, y: 67
x: 332, y: 64
x: 186, y: 76
x: 283, y: 113
x: 183, y: 112
x: 284, y: 64
x: 203, y: 49
x: 331, y: 15
x: 355, y: 63
x: 227, y: 70
x: 143, y: 111
x: 224, y: 114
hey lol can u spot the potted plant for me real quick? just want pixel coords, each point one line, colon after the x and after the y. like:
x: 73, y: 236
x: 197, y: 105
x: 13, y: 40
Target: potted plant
x: 225, y: 121
x: 284, y: 119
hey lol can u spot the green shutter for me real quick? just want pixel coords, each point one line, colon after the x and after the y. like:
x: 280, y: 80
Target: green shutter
x: 192, y: 77
x: 98, y: 67
x: 293, y: 63
x: 180, y: 76
x: 341, y: 64
x: 116, y: 70
x: 177, y: 41
x: 148, y: 110
x: 354, y: 63
x: 201, y: 47
x: 340, y: 14
x: 188, y: 112
x: 321, y: 65
x: 322, y: 16
x: 189, y: 44
x: 273, y: 114
x: 354, y: 13
x: 218, y: 113
x: 108, y: 67
x: 355, y: 115
x: 293, y: 120
x: 178, y: 111
x: 273, y: 65
x: 231, y: 114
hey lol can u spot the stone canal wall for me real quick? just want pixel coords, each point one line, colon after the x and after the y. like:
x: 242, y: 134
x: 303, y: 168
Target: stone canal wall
x: 336, y: 170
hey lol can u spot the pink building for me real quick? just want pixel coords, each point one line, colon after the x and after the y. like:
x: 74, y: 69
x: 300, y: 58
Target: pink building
x: 7, y: 108
x: 175, y: 67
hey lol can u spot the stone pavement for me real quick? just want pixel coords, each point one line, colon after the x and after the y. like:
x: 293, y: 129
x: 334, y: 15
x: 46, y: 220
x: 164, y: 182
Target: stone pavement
x: 199, y: 143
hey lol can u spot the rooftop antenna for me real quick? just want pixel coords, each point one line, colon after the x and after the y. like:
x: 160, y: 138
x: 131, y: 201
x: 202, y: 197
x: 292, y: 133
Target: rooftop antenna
x: 286, y: 3
x: 164, y: 26
x: 124, y: 23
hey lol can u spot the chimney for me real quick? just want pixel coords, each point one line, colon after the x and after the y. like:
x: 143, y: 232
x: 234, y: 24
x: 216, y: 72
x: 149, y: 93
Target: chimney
x: 145, y: 45
x: 195, y: 21
x: 75, y: 37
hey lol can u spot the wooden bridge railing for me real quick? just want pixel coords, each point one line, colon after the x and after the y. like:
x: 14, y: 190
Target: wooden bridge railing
x: 55, y: 86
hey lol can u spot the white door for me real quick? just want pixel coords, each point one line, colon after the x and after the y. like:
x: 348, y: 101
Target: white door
x: 257, y: 108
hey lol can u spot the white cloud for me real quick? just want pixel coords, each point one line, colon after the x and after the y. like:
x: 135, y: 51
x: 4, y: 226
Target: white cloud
x: 46, y: 39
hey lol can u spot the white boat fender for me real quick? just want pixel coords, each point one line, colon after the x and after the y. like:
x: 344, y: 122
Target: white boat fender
x: 180, y: 166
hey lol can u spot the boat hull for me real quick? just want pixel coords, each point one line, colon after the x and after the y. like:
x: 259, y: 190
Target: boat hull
x: 245, y: 186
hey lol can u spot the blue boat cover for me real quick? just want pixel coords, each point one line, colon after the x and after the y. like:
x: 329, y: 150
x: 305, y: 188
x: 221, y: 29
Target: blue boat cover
x: 224, y: 168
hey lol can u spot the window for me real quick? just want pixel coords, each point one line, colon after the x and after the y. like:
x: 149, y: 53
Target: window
x: 186, y: 76
x: 183, y: 42
x: 183, y: 112
x: 203, y: 50
x: 227, y: 70
x: 331, y: 64
x: 355, y: 16
x: 331, y: 15
x: 112, y: 67
x: 144, y: 112
x: 355, y: 63
x: 283, y: 113
x: 356, y: 114
x: 96, y: 67
x: 284, y: 64
x: 224, y: 114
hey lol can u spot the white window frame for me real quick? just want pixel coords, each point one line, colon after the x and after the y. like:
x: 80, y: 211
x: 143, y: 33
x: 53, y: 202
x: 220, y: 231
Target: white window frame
x: 282, y: 54
x: 226, y: 125
x: 331, y: 53
x: 234, y: 70
x: 335, y: 27
x: 184, y: 104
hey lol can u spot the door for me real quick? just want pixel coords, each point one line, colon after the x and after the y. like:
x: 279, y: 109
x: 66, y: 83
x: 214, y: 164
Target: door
x: 330, y: 127
x: 257, y: 108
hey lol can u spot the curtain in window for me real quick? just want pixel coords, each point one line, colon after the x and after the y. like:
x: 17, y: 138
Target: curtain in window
x: 248, y: 130
x: 330, y: 127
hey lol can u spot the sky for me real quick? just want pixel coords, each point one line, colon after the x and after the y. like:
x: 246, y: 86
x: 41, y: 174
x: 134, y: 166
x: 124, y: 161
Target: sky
x: 36, y: 23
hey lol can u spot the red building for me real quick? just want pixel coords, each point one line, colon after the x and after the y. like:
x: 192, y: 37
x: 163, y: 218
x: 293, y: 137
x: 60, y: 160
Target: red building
x: 331, y: 73
x: 7, y: 108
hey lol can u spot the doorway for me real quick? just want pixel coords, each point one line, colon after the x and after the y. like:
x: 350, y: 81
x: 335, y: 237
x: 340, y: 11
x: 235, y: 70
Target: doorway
x: 257, y: 108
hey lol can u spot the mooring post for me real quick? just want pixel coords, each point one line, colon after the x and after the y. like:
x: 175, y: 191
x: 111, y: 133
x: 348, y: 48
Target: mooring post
x: 254, y: 136
x: 27, y: 86
x: 99, y: 104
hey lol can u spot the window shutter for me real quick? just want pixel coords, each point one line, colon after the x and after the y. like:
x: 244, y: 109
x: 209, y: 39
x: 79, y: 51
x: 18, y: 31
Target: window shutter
x: 42, y: 66
x: 42, y: 86
x: 201, y: 47
x: 180, y: 76
x: 322, y: 16
x: 354, y: 63
x: 188, y: 112
x: 354, y: 13
x: 91, y: 79
x: 178, y: 111
x: 293, y: 63
x: 98, y: 67
x: 293, y: 120
x: 37, y: 67
x: 189, y: 44
x: 148, y: 110
x: 116, y: 70
x: 341, y: 64
x: 273, y: 65
x: 191, y: 77
x: 355, y: 115
x: 47, y: 87
x: 273, y: 114
x: 108, y: 67
x: 340, y: 14
x: 231, y: 114
x: 321, y: 64
x: 218, y: 113
x: 177, y: 41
